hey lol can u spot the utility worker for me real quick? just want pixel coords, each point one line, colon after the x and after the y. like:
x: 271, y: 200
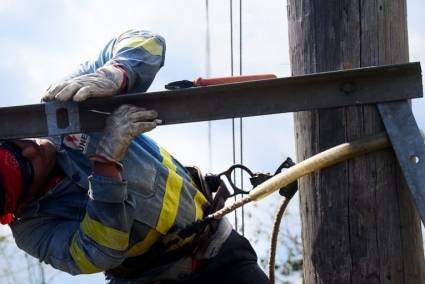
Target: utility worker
x: 113, y: 201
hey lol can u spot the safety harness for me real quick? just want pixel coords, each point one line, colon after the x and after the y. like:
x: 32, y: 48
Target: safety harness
x: 214, y: 188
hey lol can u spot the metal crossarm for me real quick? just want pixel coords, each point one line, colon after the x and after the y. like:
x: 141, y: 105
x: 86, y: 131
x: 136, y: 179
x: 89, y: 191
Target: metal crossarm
x: 321, y: 90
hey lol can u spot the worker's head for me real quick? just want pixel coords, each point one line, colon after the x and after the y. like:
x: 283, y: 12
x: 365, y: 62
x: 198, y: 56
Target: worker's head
x: 25, y: 166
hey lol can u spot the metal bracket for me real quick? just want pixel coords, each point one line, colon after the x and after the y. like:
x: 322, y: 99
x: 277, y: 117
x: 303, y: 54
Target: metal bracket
x: 62, y: 118
x: 408, y: 146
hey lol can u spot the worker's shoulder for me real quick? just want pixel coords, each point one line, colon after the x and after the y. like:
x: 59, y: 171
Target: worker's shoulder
x: 141, y: 34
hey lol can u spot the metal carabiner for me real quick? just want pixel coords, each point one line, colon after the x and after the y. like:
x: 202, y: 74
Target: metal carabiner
x: 228, y: 174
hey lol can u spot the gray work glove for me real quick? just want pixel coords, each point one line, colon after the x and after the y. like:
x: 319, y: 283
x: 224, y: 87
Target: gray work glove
x: 124, y: 124
x: 106, y: 81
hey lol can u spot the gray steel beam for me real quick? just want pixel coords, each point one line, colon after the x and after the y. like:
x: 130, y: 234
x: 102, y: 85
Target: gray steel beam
x: 321, y: 90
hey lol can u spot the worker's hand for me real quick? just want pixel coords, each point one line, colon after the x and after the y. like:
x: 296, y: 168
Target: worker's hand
x: 121, y: 127
x: 106, y: 81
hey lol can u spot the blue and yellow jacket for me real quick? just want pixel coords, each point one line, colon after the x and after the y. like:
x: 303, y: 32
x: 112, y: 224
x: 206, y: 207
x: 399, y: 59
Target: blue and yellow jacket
x: 90, y: 223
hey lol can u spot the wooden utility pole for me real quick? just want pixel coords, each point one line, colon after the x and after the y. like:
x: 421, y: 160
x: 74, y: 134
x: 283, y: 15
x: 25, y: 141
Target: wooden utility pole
x: 358, y: 222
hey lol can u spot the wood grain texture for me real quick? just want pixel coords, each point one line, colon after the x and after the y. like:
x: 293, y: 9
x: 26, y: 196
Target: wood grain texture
x: 358, y: 222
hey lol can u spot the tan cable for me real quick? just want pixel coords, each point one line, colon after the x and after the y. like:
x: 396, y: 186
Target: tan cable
x: 322, y: 160
x: 273, y: 239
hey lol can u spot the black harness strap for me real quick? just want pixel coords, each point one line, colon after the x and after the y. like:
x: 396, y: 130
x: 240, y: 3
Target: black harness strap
x: 160, y: 253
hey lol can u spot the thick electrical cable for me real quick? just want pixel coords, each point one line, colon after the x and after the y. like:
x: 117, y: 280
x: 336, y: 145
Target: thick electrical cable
x: 319, y: 161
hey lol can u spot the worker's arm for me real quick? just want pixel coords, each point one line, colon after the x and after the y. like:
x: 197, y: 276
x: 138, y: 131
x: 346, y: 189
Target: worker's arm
x: 127, y: 63
x: 101, y: 240
x: 97, y: 243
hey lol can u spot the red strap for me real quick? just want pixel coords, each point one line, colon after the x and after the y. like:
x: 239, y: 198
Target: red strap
x: 11, y: 177
x: 6, y: 218
x: 196, y: 264
x: 125, y: 78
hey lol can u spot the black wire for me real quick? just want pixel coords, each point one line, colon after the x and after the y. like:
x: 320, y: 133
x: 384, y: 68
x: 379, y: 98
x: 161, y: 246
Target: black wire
x: 240, y: 37
x: 242, y: 173
x: 207, y: 74
x: 241, y: 119
x: 234, y: 172
x: 231, y: 38
x: 233, y: 120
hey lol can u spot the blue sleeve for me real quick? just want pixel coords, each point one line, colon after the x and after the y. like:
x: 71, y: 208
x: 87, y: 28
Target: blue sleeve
x: 140, y: 53
x: 98, y: 242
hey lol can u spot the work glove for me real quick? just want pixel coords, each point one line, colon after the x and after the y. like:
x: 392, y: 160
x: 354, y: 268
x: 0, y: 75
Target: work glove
x: 125, y: 123
x: 106, y: 81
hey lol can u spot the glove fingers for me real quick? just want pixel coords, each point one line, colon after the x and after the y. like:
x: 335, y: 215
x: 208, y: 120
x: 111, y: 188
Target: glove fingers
x: 122, y: 110
x: 92, y: 91
x: 66, y: 93
x: 83, y: 94
x: 140, y: 127
x: 143, y: 115
x: 53, y: 90
x: 127, y: 110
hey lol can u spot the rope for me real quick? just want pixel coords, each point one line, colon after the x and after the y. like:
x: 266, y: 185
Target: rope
x: 273, y: 239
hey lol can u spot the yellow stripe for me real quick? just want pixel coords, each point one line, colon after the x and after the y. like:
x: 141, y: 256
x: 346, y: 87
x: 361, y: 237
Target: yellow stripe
x: 171, y: 200
x: 167, y: 160
x: 143, y: 246
x: 105, y: 236
x: 151, y: 45
x: 199, y: 203
x: 80, y: 258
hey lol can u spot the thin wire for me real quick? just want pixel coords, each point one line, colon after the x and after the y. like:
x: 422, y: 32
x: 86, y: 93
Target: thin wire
x: 240, y: 37
x: 208, y: 74
x: 207, y: 40
x: 241, y: 119
x: 234, y: 172
x: 231, y: 39
x: 241, y: 157
x: 233, y: 120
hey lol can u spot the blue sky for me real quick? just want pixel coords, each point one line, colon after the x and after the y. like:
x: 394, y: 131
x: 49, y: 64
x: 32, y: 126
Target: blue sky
x: 41, y: 41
